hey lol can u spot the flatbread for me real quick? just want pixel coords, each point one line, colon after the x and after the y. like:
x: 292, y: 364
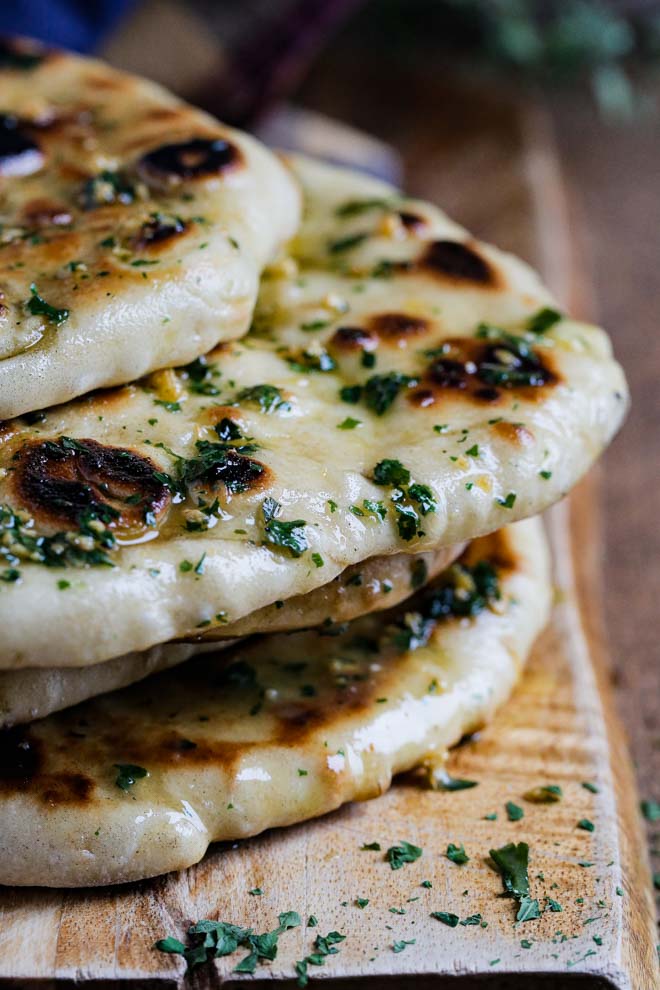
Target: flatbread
x: 139, y: 782
x: 133, y: 228
x: 306, y: 461
x: 368, y: 587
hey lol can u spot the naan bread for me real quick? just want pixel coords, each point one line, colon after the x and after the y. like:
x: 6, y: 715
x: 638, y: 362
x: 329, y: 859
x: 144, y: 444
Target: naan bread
x: 371, y: 586
x: 139, y: 782
x: 289, y: 456
x: 133, y: 228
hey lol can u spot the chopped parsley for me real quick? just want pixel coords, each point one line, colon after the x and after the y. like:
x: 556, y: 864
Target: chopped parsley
x: 514, y: 811
x: 543, y: 320
x: 398, y: 856
x: 286, y: 535
x: 508, y: 501
x: 38, y: 306
x: 356, y: 207
x: 649, y: 809
x: 370, y: 847
x: 211, y: 939
x: 457, y: 854
x: 346, y: 243
x: 361, y: 902
x: 586, y: 825
x: 267, y: 397
x: 324, y: 946
x: 529, y: 909
x: 400, y: 945
x: 391, y: 472
x: 446, y: 783
x: 512, y: 862
x: 128, y: 774
x: 545, y: 794
x: 349, y: 423
x: 446, y: 918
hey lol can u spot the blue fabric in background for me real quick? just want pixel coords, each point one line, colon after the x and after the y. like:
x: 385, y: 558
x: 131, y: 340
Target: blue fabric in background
x: 77, y: 24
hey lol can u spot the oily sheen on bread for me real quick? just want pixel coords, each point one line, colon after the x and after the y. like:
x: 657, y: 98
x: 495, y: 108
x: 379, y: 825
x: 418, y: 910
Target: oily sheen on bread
x: 133, y: 228
x: 403, y: 388
x: 372, y: 586
x: 139, y: 782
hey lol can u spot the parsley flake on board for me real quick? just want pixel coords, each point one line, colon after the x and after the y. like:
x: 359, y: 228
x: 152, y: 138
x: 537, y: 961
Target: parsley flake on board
x: 128, y: 774
x: 446, y: 918
x: 371, y: 847
x: 398, y: 856
x: 650, y: 810
x: 457, y: 854
x: 545, y: 794
x: 529, y: 909
x: 512, y: 862
x: 356, y: 207
x: 324, y: 946
x: 400, y: 945
x: 211, y: 939
x: 444, y: 782
x: 586, y: 825
x: 514, y: 811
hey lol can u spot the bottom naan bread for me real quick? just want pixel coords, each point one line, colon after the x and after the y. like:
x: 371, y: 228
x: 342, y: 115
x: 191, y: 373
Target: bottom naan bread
x: 139, y: 782
x: 375, y: 584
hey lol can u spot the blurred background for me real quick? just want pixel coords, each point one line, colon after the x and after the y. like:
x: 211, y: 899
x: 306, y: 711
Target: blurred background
x: 537, y: 124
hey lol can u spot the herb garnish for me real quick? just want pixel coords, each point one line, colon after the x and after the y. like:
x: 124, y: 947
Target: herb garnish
x: 324, y: 946
x: 212, y: 939
x: 38, y: 306
x: 406, y: 852
x: 355, y: 207
x: 446, y: 783
x: 346, y: 243
x: 546, y: 794
x: 512, y: 862
x: 287, y: 535
x: 457, y: 854
x: 514, y: 811
x: 128, y: 774
x: 446, y: 918
x: 543, y: 320
x: 267, y: 397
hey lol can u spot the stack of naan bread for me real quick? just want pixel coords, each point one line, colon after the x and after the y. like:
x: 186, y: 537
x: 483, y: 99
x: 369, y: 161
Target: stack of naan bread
x: 272, y: 429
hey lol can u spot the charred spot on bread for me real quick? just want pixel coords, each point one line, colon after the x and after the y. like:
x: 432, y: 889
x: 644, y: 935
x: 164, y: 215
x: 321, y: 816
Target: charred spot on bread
x: 199, y: 158
x: 158, y: 231
x: 458, y: 262
x: 484, y: 370
x: 412, y: 221
x: 19, y: 153
x: 352, y: 339
x: 62, y: 482
x: 397, y: 327
x: 21, y: 54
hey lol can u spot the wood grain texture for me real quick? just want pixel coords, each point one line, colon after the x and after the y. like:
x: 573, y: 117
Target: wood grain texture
x: 559, y: 728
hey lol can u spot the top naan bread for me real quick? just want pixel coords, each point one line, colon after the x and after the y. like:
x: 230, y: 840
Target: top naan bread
x: 404, y: 387
x: 133, y: 228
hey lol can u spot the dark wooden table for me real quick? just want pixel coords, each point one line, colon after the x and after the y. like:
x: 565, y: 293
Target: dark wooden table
x: 609, y: 186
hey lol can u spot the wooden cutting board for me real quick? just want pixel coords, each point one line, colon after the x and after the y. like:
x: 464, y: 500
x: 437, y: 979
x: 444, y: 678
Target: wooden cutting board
x: 559, y: 728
